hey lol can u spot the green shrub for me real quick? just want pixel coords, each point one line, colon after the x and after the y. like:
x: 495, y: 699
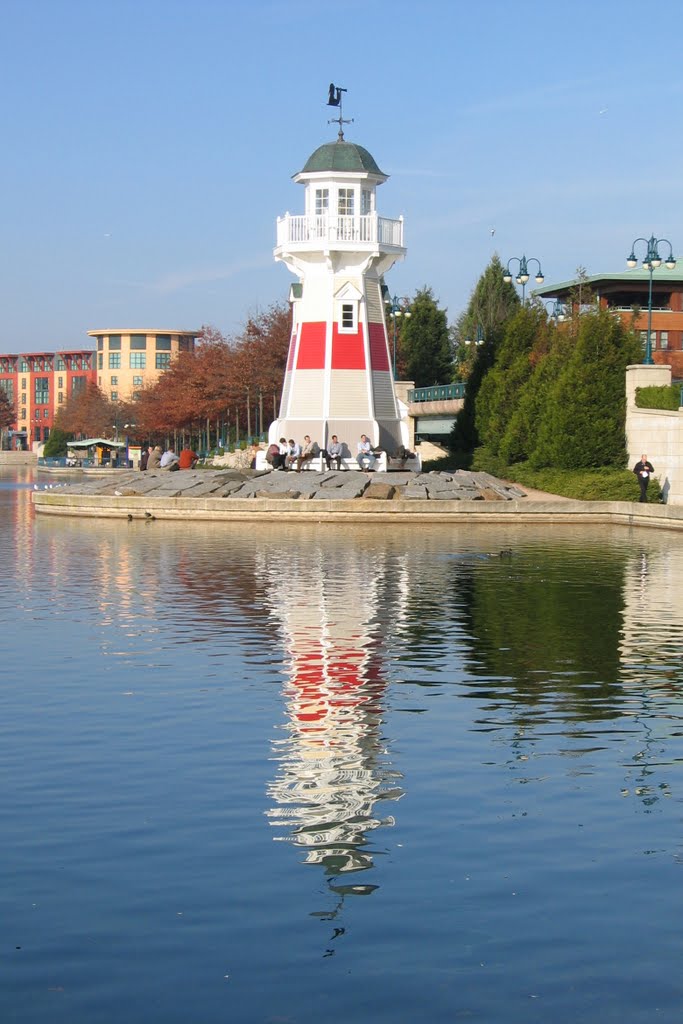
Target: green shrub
x: 667, y: 397
x: 56, y: 444
x: 606, y: 484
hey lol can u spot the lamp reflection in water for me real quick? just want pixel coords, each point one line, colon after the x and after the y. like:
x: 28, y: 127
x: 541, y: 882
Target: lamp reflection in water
x: 333, y: 768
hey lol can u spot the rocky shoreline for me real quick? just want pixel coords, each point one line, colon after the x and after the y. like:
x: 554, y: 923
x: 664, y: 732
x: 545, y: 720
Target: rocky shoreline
x: 336, y: 485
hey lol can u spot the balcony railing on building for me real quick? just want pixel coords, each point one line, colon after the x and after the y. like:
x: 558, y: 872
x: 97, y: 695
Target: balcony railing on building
x: 329, y: 229
x: 437, y: 393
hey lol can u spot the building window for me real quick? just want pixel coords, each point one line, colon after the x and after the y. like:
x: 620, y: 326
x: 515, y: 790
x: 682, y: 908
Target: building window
x: 8, y: 387
x: 23, y: 366
x: 46, y: 433
x: 46, y: 414
x: 114, y: 396
x: 41, y: 394
x: 36, y: 414
x: 643, y: 339
x: 77, y: 385
x: 99, y: 360
x: 163, y: 360
x: 322, y: 201
x: 347, y: 323
x: 114, y: 382
x: 137, y: 382
x: 345, y: 202
x: 100, y: 343
x: 61, y: 365
x: 99, y: 382
x: 163, y: 342
x: 22, y: 415
x: 663, y: 340
x: 138, y: 341
x: 114, y: 360
x: 60, y: 398
x: 366, y: 201
x: 115, y: 342
x: 23, y: 383
x: 138, y: 360
x: 136, y: 395
x: 23, y: 399
x: 36, y: 434
x: 60, y: 382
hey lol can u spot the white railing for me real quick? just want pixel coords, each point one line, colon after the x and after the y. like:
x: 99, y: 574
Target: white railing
x: 328, y: 228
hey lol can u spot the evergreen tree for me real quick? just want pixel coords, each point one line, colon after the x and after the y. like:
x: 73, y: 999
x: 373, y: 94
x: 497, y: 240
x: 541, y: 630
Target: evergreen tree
x: 56, y: 444
x: 425, y: 342
x: 583, y: 424
x: 499, y: 393
x: 492, y: 304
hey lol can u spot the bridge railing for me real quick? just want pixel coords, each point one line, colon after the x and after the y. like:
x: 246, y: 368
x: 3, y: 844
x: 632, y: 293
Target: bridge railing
x: 437, y: 393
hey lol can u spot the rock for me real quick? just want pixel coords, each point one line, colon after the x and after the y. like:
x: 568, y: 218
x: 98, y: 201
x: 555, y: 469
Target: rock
x: 380, y: 492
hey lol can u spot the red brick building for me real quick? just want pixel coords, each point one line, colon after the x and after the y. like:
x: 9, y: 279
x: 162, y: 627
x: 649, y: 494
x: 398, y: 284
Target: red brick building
x: 623, y: 292
x: 38, y: 383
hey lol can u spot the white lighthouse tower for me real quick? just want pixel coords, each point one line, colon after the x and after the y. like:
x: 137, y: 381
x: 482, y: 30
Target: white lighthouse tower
x: 338, y: 378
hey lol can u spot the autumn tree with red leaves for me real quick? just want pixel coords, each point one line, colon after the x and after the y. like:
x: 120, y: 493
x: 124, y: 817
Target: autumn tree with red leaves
x: 225, y: 385
x: 89, y: 412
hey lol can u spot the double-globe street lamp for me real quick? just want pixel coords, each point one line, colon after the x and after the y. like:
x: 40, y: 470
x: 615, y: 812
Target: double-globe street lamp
x: 555, y: 309
x: 651, y: 262
x: 398, y: 306
x: 523, y: 275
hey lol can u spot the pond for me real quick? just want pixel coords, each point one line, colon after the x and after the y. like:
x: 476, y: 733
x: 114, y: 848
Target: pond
x: 291, y: 773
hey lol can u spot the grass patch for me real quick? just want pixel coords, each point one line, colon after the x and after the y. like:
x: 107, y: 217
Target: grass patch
x: 606, y: 484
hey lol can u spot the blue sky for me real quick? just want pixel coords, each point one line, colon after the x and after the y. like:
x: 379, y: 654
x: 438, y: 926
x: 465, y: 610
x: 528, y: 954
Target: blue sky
x: 148, y: 146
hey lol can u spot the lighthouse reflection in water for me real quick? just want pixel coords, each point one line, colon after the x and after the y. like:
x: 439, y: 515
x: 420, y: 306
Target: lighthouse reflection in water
x: 335, y: 785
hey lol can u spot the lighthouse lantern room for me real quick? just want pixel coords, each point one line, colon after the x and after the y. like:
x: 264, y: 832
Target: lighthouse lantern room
x: 338, y: 378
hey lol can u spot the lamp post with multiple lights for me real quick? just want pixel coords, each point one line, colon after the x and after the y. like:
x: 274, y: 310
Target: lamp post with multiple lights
x: 523, y: 274
x: 398, y: 306
x: 555, y: 310
x: 652, y: 260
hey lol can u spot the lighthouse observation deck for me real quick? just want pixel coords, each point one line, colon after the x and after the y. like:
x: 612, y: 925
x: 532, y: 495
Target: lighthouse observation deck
x: 323, y: 230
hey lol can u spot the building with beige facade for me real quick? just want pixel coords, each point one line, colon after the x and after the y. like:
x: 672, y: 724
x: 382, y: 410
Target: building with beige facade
x: 125, y: 360
x: 129, y: 359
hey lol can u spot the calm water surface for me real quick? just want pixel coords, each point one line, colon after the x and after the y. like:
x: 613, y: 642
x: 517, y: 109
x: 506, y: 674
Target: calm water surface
x: 292, y: 774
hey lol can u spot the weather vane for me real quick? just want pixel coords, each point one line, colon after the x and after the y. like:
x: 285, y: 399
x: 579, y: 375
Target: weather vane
x: 334, y: 99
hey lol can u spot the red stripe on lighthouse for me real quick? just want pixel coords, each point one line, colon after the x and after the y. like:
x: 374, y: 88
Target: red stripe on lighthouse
x: 379, y: 351
x: 348, y: 350
x: 312, y: 347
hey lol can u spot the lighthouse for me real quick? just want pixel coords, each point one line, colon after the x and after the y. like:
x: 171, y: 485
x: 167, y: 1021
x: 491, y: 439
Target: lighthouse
x: 338, y: 378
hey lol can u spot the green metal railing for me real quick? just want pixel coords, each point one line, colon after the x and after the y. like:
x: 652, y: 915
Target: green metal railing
x: 437, y: 393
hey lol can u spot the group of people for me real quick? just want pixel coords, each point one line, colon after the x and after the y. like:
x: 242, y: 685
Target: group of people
x: 154, y: 457
x: 288, y: 455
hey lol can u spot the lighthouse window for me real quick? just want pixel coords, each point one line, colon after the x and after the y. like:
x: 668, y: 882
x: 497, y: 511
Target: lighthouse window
x: 322, y: 201
x: 346, y: 202
x: 348, y: 317
x: 366, y: 201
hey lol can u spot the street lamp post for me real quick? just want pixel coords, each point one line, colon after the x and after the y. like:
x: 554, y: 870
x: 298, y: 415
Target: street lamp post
x: 479, y: 336
x: 651, y: 262
x: 398, y: 306
x: 523, y: 274
x: 556, y: 310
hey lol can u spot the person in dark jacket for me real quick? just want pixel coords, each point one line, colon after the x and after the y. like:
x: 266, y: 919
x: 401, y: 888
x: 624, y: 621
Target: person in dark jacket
x: 643, y: 471
x: 144, y: 456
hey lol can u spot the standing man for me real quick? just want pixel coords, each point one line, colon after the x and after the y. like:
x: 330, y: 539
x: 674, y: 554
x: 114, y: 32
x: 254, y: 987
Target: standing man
x: 643, y: 471
x: 366, y: 454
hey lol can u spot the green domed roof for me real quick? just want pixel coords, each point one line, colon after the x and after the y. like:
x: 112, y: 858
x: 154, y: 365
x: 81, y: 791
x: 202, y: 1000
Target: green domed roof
x: 341, y: 156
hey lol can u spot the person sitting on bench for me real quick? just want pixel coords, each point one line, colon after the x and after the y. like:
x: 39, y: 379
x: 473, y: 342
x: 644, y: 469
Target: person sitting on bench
x: 308, y: 452
x: 334, y: 452
x: 365, y: 453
